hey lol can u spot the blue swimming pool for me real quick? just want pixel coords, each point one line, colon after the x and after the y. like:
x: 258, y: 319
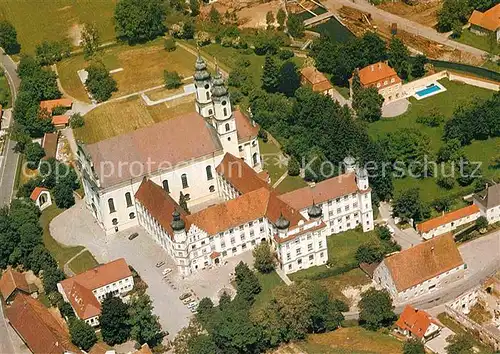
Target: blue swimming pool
x: 428, y: 90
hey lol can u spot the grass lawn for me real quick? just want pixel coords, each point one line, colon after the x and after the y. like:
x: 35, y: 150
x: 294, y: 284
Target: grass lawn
x: 61, y: 253
x: 290, y: 183
x: 480, y: 42
x: 83, y: 262
x: 36, y: 20
x: 458, y: 329
x: 344, y: 91
x: 334, y: 285
x: 273, y: 160
x: 143, y: 67
x: 126, y: 115
x: 353, y: 340
x: 446, y: 102
x: 4, y: 91
x: 267, y: 282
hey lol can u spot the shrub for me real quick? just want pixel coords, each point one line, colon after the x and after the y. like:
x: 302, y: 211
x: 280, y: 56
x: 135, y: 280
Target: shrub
x: 293, y: 167
x: 99, y: 83
x: 34, y: 153
x: 77, y: 121
x: 263, y: 135
x: 285, y: 54
x: 445, y: 182
x: 172, y: 79
x: 169, y: 44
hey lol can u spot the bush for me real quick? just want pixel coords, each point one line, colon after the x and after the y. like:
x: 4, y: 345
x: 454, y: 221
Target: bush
x: 63, y: 195
x: 432, y: 120
x: 369, y: 253
x: 263, y: 135
x: 77, y: 121
x: 169, y: 44
x: 481, y: 223
x: 445, y: 182
x: 383, y: 233
x: 172, y: 79
x: 34, y: 153
x: 99, y: 83
x: 293, y: 166
x: 50, y: 52
x: 285, y: 54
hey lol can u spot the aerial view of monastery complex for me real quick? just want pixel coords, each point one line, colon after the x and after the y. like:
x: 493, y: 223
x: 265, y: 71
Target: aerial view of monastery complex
x: 243, y: 177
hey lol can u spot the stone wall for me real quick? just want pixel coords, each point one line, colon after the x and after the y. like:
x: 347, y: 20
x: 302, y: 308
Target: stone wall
x: 471, y: 80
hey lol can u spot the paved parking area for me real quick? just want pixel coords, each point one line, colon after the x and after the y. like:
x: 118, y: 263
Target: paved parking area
x: 76, y: 226
x: 439, y: 343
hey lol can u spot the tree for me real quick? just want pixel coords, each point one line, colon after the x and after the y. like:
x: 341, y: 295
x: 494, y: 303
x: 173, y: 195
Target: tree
x: 90, y: 40
x: 114, y: 320
x: 325, y: 315
x: 295, y: 26
x: 183, y: 202
x: 457, y: 29
x: 289, y: 79
x: 369, y: 253
x: 169, y: 45
x: 194, y: 6
x: 459, y: 344
x: 55, y: 298
x: 281, y: 17
x: 408, y: 205
x: 247, y: 284
x: 270, y: 75
x: 355, y: 83
x: 383, y: 233
x: 445, y: 182
x: 40, y: 258
x: 413, y: 346
x: 399, y: 57
x: 451, y: 13
x: 188, y: 30
x: 418, y: 65
x: 224, y: 300
x: 99, y: 82
x: 481, y: 223
x: 63, y: 195
x: 172, y: 79
x: 270, y: 20
x: 205, y: 310
x: 139, y: 20
x: 76, y: 120
x: 367, y: 103
x: 293, y: 167
x: 144, y: 325
x: 376, y: 310
x: 33, y: 153
x: 442, y: 204
x: 263, y: 258
x: 214, y: 15
x: 50, y: 52
x: 82, y: 334
x: 202, y: 344
x: 66, y: 310
x: 52, y: 276
x: 8, y: 38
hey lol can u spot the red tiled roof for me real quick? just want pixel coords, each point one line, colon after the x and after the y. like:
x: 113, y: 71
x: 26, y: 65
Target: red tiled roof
x: 160, y: 145
x: 51, y: 104
x: 214, y: 255
x: 316, y: 79
x: 60, y: 120
x: 423, y: 261
x: 444, y: 219
x: 377, y: 72
x: 241, y: 176
x: 144, y: 349
x: 291, y: 237
x: 245, y: 129
x: 79, y: 288
x: 415, y: 321
x: 12, y: 280
x: 39, y: 328
x: 36, y: 192
x: 321, y: 192
x: 159, y: 204
x: 489, y: 19
x: 49, y: 144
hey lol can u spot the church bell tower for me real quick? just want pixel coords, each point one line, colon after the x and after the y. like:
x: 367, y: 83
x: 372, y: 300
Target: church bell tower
x: 203, y: 85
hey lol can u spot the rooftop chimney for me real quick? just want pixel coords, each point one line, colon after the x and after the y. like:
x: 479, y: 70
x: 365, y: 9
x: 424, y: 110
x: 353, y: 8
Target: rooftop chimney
x: 372, y: 67
x: 380, y: 65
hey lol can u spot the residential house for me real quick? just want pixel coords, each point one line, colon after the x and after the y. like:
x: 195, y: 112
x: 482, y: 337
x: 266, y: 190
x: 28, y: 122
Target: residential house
x: 60, y: 121
x: 310, y: 76
x: 87, y: 290
x: 11, y: 283
x: 49, y: 105
x: 421, y: 269
x: 488, y: 203
x: 384, y: 78
x: 486, y: 23
x: 39, y: 328
x: 41, y: 197
x: 448, y: 222
x: 414, y: 323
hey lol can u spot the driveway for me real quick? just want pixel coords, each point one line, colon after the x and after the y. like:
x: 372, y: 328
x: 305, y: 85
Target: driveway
x: 439, y: 343
x: 395, y: 108
x: 405, y: 238
x: 76, y: 226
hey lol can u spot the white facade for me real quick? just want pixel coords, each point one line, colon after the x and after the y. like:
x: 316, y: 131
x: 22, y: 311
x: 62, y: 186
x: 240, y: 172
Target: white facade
x: 43, y: 200
x: 447, y: 226
x: 382, y: 276
x: 488, y: 203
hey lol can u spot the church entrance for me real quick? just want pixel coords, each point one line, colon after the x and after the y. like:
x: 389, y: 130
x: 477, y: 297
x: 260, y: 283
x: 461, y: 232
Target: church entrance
x: 217, y: 261
x: 263, y: 239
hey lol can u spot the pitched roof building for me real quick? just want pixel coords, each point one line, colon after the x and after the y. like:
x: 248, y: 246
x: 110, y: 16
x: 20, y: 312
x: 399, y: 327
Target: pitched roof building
x: 49, y: 105
x: 486, y: 22
x: 49, y: 145
x: 86, y: 290
x: 382, y: 77
x: 316, y: 80
x: 11, y: 283
x: 39, y: 329
x: 420, y: 269
x: 417, y: 324
x: 488, y: 202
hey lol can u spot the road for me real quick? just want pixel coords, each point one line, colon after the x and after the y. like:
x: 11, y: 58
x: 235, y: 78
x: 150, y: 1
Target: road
x: 405, y: 238
x: 10, y: 159
x: 403, y: 23
x: 482, y: 257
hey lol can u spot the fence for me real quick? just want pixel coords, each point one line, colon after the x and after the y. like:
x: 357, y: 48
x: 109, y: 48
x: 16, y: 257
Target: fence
x: 474, y: 70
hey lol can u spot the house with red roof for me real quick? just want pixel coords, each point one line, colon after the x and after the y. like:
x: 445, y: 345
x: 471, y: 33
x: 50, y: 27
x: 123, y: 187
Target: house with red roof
x: 414, y: 323
x: 316, y: 80
x: 382, y: 77
x: 87, y: 290
x: 13, y: 282
x: 41, y: 197
x: 486, y: 23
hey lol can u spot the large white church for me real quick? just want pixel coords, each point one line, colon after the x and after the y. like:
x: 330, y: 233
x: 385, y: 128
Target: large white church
x: 212, y: 156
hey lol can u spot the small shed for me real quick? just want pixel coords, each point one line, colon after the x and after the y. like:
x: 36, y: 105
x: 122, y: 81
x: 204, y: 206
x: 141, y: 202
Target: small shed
x: 41, y: 197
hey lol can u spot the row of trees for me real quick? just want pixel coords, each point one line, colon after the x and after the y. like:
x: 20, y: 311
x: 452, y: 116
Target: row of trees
x: 455, y: 13
x: 236, y: 326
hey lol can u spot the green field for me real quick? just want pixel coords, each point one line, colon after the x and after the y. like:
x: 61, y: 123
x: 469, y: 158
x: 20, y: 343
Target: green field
x: 83, y: 262
x: 39, y: 20
x: 446, y: 102
x: 480, y: 42
x: 61, y: 253
x: 267, y: 282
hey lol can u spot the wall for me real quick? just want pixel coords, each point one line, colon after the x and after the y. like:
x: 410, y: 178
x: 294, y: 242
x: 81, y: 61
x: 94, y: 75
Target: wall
x: 410, y: 88
x: 470, y: 80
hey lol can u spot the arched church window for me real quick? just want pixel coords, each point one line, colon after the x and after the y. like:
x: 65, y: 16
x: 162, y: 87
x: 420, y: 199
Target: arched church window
x: 165, y: 186
x: 209, y: 173
x: 227, y: 124
x: 208, y: 95
x: 115, y: 221
x: 225, y: 111
x: 184, y: 180
x: 111, y: 205
x: 255, y: 159
x: 131, y: 215
x: 128, y: 198
x: 211, y: 189
x: 210, y: 112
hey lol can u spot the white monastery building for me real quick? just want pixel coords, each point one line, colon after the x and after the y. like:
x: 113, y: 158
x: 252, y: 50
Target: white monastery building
x: 214, y: 159
x: 87, y: 290
x: 488, y: 203
x: 421, y: 269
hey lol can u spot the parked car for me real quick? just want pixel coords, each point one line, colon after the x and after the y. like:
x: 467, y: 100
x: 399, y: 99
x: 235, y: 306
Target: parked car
x: 187, y: 300
x: 184, y: 296
x: 192, y: 305
x: 166, y: 271
x: 159, y: 264
x: 391, y: 229
x: 132, y: 236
